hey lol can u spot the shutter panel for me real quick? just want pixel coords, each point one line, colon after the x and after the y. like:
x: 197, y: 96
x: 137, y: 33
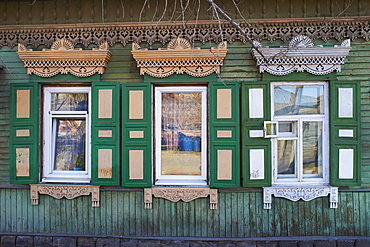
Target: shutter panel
x: 345, y: 143
x: 224, y: 135
x: 136, y: 135
x: 24, y: 133
x: 105, y: 137
x: 256, y: 149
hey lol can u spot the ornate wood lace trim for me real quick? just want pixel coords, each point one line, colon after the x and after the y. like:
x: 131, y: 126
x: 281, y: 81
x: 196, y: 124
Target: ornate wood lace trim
x: 67, y: 191
x: 297, y: 193
x: 203, y: 31
x: 63, y: 58
x: 301, y: 55
x: 177, y: 194
x: 179, y: 57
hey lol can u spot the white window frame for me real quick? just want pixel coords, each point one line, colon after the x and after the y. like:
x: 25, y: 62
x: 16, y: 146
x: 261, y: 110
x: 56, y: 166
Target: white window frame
x: 196, y: 180
x: 299, y: 119
x: 49, y: 174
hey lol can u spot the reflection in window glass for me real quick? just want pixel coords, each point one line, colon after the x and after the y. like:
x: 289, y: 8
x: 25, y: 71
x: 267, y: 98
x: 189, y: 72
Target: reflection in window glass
x: 69, y: 101
x: 181, y: 130
x: 69, y: 141
x: 286, y: 151
x: 298, y: 100
x: 312, y: 149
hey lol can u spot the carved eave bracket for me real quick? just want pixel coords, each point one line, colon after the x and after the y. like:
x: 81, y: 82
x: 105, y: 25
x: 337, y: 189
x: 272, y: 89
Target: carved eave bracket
x: 179, y: 57
x: 63, y: 58
x: 301, y: 55
x: 307, y: 193
x: 67, y: 191
x: 175, y: 194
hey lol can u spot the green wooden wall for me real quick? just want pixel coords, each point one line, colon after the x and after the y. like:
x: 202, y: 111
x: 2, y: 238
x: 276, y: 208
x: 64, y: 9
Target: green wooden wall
x: 240, y: 214
x: 97, y: 11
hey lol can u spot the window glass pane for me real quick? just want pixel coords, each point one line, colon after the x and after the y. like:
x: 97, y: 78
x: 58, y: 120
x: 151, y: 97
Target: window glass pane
x: 69, y: 101
x: 298, y: 100
x: 69, y: 139
x: 312, y: 149
x: 286, y: 152
x: 181, y: 129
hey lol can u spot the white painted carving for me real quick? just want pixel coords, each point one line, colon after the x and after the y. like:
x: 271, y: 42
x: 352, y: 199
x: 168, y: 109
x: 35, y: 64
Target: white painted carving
x: 179, y: 57
x: 300, y: 193
x: 63, y: 58
x: 175, y: 194
x: 301, y: 55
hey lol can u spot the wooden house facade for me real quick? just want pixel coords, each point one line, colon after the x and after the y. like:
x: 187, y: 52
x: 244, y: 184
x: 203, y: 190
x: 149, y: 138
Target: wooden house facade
x: 158, y: 119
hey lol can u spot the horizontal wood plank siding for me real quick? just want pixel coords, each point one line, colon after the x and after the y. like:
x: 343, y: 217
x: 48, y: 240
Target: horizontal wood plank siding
x: 239, y: 215
x: 66, y: 11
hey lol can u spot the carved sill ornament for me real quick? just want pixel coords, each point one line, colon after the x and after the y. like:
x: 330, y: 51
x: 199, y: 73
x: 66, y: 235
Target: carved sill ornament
x: 297, y: 193
x: 179, y: 57
x: 67, y: 191
x: 63, y: 58
x: 301, y: 55
x: 174, y: 194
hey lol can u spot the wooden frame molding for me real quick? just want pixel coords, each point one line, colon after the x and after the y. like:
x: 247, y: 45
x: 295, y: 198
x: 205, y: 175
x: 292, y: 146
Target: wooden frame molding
x: 67, y: 191
x: 202, y: 30
x: 297, y: 193
x: 175, y: 194
x: 63, y: 58
x: 301, y: 55
x: 179, y: 57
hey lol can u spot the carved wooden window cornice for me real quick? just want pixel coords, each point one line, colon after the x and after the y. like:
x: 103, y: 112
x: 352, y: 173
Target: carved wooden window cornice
x: 179, y: 57
x: 63, y: 58
x: 301, y: 55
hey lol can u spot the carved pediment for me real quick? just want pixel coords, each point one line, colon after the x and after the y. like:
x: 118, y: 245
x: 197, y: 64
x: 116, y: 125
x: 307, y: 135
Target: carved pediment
x: 301, y: 55
x: 63, y: 58
x: 179, y: 57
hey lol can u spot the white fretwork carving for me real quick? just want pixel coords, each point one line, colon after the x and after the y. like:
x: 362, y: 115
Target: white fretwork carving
x: 301, y: 55
x: 67, y: 191
x: 179, y: 57
x: 297, y: 193
x: 176, y: 194
x: 63, y: 58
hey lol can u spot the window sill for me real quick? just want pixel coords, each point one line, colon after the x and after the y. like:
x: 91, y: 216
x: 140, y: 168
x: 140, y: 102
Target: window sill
x: 295, y: 193
x: 175, y: 194
x: 67, y: 191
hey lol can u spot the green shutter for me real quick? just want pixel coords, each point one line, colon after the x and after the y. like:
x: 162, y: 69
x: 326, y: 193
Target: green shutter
x: 256, y: 150
x: 136, y: 135
x: 224, y: 135
x: 105, y: 154
x: 345, y: 143
x: 24, y: 133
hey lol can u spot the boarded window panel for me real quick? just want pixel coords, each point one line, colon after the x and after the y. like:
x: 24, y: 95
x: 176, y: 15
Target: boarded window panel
x: 136, y: 162
x: 224, y: 109
x: 22, y: 162
x: 255, y: 103
x: 224, y: 134
x: 345, y: 101
x: 105, y: 163
x: 224, y: 164
x: 104, y: 133
x: 257, y: 163
x: 105, y: 103
x: 136, y: 134
x: 346, y: 163
x: 22, y: 133
x: 136, y: 107
x: 23, y: 104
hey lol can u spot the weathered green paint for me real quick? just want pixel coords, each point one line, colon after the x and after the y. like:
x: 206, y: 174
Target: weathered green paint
x: 68, y: 12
